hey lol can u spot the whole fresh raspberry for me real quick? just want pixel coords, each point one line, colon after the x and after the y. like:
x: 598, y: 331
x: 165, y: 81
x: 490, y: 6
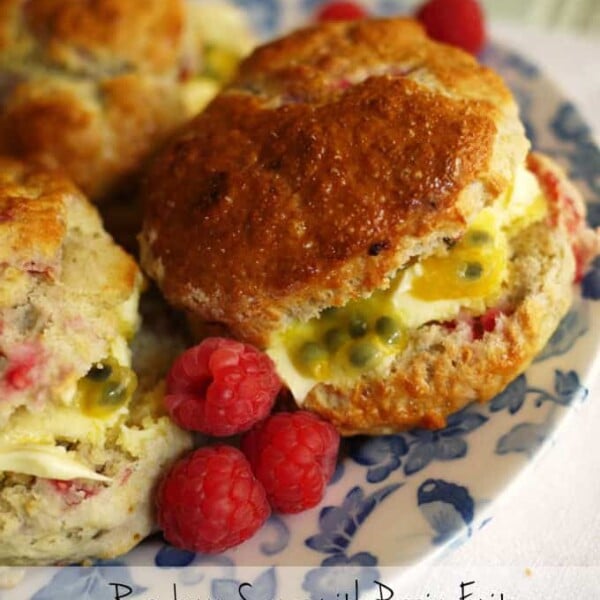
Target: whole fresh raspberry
x: 221, y: 387
x: 210, y: 501
x: 293, y: 455
x: 457, y: 22
x: 340, y: 11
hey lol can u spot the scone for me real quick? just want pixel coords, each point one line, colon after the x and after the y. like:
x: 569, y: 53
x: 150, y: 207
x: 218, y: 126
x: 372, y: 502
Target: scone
x: 80, y: 452
x: 95, y: 86
x: 358, y: 204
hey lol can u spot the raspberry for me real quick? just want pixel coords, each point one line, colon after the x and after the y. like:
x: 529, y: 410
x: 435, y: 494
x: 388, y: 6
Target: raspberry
x: 74, y: 492
x: 293, y: 455
x: 456, y: 22
x: 210, y: 501
x: 564, y: 211
x: 485, y: 323
x: 22, y: 365
x: 221, y: 387
x: 340, y: 11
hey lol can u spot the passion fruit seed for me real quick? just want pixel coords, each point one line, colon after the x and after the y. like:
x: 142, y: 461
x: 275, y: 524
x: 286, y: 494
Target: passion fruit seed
x: 357, y: 326
x: 335, y: 338
x: 311, y: 352
x: 113, y: 393
x: 472, y: 271
x: 387, y: 329
x: 99, y: 372
x: 329, y: 312
x: 361, y: 353
x: 478, y: 237
x: 104, y: 390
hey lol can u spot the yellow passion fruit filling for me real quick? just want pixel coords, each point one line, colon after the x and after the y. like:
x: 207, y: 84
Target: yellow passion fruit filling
x: 342, y: 343
x: 106, y: 388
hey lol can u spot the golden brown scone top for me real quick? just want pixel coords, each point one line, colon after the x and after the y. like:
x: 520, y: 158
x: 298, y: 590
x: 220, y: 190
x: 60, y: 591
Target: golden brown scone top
x: 92, y: 87
x: 41, y: 214
x: 339, y: 153
x: 98, y: 131
x: 103, y: 35
x: 315, y: 63
x: 32, y: 216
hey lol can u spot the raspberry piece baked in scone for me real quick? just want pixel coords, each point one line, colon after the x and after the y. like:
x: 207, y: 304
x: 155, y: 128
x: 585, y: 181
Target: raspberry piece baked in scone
x: 80, y: 450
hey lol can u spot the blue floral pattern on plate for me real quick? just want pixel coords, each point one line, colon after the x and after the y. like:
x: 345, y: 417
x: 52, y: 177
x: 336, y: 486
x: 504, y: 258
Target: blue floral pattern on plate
x: 338, y: 524
x: 448, y: 507
x: 383, y: 477
x: 527, y: 437
x: 416, y: 450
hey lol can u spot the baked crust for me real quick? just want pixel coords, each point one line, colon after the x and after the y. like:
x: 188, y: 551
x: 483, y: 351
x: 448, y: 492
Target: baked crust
x: 92, y: 37
x: 95, y: 87
x: 41, y: 211
x: 92, y: 87
x: 32, y: 217
x: 100, y: 132
x: 269, y: 207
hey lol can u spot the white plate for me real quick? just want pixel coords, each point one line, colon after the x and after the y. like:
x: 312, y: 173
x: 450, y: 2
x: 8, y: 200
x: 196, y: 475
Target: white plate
x: 396, y: 499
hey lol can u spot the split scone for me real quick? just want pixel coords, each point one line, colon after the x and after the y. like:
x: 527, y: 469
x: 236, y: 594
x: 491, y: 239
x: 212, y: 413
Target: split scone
x: 94, y: 87
x: 358, y: 203
x: 80, y: 452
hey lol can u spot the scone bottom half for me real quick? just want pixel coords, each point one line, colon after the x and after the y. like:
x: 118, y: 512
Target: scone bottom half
x: 359, y: 203
x: 80, y: 449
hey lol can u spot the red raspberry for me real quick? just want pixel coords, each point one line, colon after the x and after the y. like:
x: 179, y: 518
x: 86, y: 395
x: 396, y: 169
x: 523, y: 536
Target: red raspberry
x: 210, y: 501
x: 293, y: 455
x: 456, y: 22
x: 221, y: 387
x: 340, y: 11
